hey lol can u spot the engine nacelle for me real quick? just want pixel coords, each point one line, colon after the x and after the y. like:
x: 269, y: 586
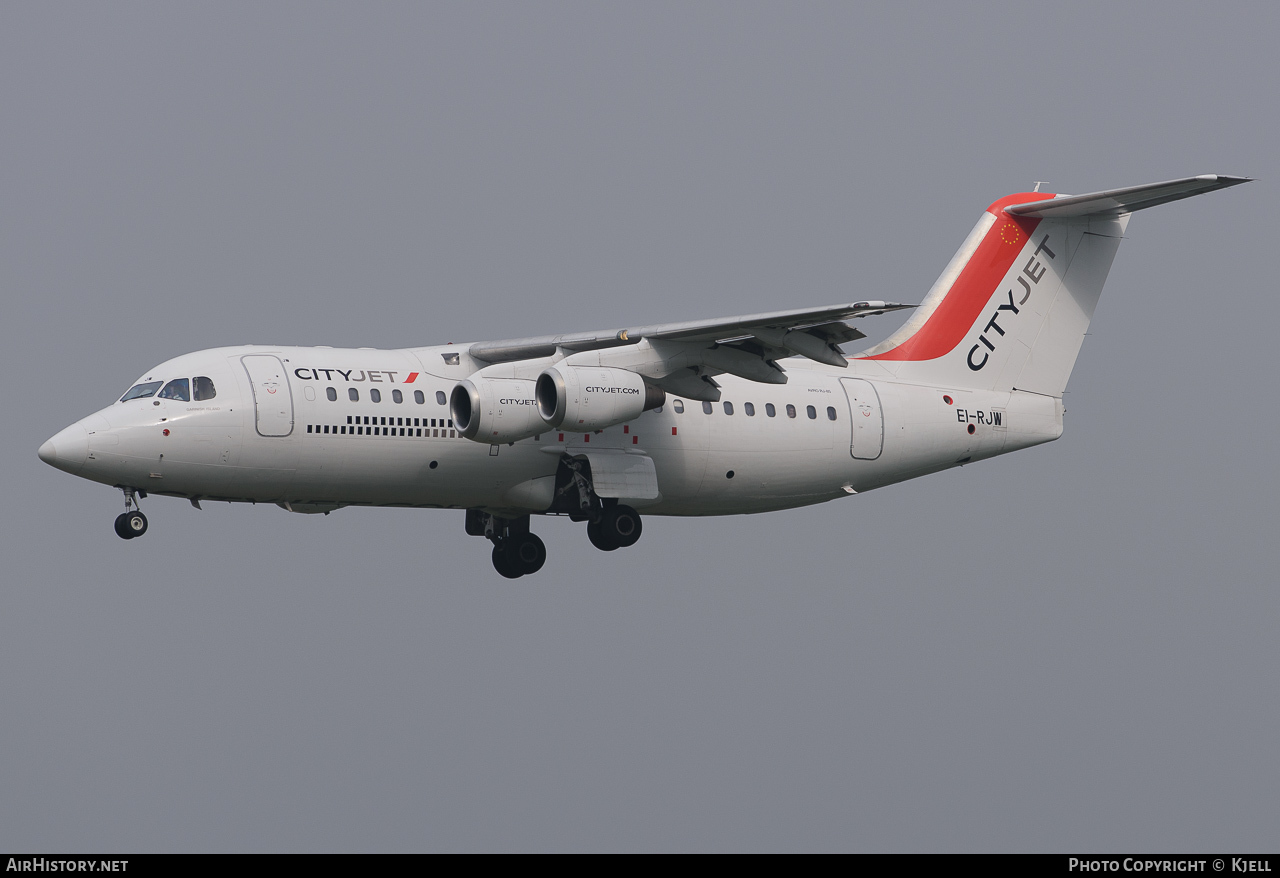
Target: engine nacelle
x: 584, y: 398
x: 495, y: 410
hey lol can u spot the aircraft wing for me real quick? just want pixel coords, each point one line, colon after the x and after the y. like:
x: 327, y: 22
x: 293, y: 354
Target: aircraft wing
x: 804, y: 331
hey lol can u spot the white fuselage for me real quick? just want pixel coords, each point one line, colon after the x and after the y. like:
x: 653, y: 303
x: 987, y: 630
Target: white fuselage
x: 341, y: 448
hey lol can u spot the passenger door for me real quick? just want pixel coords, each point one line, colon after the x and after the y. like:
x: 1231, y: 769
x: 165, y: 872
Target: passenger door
x: 867, y: 440
x: 272, y: 401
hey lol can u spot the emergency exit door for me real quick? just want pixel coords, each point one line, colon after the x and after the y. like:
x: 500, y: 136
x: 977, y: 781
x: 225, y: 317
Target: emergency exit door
x: 272, y: 402
x: 867, y: 439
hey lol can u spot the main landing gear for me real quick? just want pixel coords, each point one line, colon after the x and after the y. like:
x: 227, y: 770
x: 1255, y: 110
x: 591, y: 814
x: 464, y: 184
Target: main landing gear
x: 616, y: 527
x: 610, y: 524
x: 516, y: 551
x: 131, y: 523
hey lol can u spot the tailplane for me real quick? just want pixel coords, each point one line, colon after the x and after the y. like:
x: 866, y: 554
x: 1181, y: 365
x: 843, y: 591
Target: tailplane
x: 1011, y: 309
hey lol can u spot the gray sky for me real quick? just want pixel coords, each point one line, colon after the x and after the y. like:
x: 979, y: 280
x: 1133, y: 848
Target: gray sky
x: 1072, y: 648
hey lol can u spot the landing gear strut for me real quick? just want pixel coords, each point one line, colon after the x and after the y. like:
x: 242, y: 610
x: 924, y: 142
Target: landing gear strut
x: 516, y: 551
x: 610, y: 524
x: 131, y: 523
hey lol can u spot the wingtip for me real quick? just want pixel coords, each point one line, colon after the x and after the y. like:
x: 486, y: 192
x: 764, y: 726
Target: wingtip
x: 1224, y: 179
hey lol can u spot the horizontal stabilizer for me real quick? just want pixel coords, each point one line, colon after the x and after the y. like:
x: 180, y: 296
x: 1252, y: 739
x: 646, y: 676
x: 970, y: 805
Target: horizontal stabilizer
x: 1114, y: 202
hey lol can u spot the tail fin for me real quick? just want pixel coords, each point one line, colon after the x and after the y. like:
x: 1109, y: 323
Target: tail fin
x: 1011, y: 309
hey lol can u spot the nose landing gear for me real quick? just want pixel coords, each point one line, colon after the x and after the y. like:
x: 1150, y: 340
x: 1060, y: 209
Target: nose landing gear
x: 131, y: 523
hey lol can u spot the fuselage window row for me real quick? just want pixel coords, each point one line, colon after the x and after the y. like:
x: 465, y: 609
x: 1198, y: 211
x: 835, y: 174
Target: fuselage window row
x: 750, y: 410
x: 375, y: 395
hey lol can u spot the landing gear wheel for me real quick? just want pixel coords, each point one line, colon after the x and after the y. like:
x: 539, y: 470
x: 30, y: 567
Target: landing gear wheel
x: 525, y: 553
x: 621, y: 525
x: 599, y: 538
x: 502, y: 564
x: 130, y: 525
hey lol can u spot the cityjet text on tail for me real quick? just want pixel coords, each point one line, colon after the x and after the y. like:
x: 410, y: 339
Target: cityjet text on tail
x: 743, y: 414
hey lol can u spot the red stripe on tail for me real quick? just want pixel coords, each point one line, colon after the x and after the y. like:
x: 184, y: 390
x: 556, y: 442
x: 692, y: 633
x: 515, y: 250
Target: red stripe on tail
x: 963, y: 303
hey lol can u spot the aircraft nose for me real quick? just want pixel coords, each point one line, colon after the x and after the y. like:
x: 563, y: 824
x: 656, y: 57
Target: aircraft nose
x: 67, y: 450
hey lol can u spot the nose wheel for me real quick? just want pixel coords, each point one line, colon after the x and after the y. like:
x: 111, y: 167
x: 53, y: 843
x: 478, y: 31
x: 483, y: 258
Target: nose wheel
x: 131, y: 523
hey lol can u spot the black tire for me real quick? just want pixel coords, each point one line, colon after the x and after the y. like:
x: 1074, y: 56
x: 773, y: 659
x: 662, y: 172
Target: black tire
x: 502, y: 564
x: 122, y: 526
x: 526, y: 553
x: 621, y: 525
x: 596, y: 534
x: 136, y: 522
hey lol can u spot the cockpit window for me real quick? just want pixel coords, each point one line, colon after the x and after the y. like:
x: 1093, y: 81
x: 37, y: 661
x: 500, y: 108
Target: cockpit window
x: 139, y: 391
x: 203, y: 388
x: 179, y: 389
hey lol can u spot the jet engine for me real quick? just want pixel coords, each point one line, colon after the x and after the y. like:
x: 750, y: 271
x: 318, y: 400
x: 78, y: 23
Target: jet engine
x: 584, y: 398
x: 495, y: 410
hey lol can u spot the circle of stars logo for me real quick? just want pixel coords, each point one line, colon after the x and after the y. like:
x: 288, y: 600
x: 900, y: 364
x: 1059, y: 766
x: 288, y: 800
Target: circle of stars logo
x: 1010, y: 233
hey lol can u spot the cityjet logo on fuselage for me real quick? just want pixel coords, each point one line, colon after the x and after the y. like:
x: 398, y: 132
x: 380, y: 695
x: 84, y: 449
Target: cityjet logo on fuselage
x: 359, y: 375
x: 516, y: 401
x: 611, y: 390
x: 1029, y: 278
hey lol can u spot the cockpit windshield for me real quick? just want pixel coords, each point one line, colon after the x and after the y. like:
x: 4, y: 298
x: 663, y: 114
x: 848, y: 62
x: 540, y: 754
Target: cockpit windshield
x: 179, y: 389
x: 139, y: 391
x: 204, y: 389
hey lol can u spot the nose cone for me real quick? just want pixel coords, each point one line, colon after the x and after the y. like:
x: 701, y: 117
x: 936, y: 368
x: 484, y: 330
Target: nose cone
x: 67, y: 450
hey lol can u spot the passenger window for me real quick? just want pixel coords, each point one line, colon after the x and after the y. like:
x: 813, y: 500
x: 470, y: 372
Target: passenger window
x: 418, y: 397
x: 397, y: 396
x: 179, y: 389
x: 749, y: 409
x: 831, y: 413
x: 440, y: 395
x: 791, y: 411
x: 203, y: 389
x: 706, y: 407
x: 811, y: 412
x: 332, y: 394
x: 375, y: 394
x: 141, y: 391
x: 353, y: 394
x: 728, y: 408
x: 769, y: 409
x: 678, y: 405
